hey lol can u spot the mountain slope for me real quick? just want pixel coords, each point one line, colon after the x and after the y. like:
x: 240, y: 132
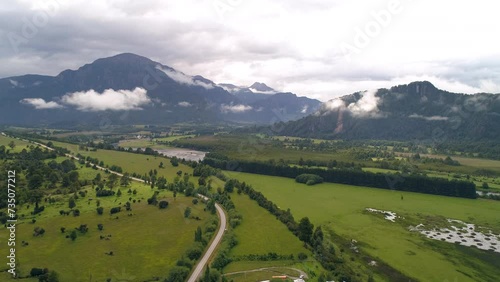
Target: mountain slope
x: 414, y: 111
x: 125, y: 89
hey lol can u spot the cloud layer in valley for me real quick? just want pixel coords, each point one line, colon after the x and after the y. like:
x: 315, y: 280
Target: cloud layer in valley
x: 236, y: 109
x: 113, y: 100
x: 41, y: 104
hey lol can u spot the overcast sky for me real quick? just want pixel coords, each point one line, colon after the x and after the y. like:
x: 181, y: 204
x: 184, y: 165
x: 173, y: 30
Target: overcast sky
x: 320, y: 49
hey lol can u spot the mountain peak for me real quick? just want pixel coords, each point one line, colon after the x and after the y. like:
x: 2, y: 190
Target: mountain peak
x: 261, y: 87
x: 125, y: 58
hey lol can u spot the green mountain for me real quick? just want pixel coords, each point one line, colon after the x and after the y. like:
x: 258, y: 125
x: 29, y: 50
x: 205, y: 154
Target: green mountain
x: 415, y: 111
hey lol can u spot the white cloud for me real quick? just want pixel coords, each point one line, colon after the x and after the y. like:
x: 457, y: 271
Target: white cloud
x: 262, y: 92
x: 184, y: 104
x: 235, y: 108
x: 114, y: 100
x: 304, y: 109
x: 184, y: 79
x: 430, y: 118
x: 367, y: 106
x: 40, y: 104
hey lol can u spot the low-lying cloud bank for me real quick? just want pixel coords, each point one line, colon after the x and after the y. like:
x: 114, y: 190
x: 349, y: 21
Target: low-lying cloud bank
x: 113, y: 100
x: 431, y: 118
x: 41, y: 104
x: 235, y: 108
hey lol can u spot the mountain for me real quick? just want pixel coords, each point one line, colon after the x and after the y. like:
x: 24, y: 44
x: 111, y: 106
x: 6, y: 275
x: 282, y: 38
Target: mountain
x: 128, y: 89
x: 416, y: 111
x: 270, y: 105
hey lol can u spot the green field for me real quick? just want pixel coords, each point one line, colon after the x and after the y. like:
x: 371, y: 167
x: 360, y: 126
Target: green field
x: 139, y: 241
x: 19, y: 144
x: 146, y: 143
x: 261, y: 233
x: 341, y: 208
x: 130, y: 162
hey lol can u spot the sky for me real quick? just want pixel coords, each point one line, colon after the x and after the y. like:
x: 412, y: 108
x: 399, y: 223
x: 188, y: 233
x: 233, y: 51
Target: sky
x: 320, y: 49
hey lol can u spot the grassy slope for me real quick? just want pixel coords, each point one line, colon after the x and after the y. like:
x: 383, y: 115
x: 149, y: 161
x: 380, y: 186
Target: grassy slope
x: 341, y: 207
x: 142, y: 248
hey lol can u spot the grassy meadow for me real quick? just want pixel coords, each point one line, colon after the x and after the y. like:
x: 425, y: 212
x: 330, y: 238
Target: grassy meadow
x: 19, y: 144
x: 341, y: 207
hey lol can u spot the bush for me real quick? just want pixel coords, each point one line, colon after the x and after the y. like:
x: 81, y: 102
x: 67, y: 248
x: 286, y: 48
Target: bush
x: 37, y: 271
x: 178, y: 274
x: 163, y: 204
x: 302, y: 256
x: 195, y: 252
x: 104, y: 193
x: 115, y: 210
x: 100, y: 210
x: 309, y: 179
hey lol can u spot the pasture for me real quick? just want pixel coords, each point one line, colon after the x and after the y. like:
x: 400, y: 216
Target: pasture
x: 341, y: 207
x: 139, y: 239
x: 19, y: 144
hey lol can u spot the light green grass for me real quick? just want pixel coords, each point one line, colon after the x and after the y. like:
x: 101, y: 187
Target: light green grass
x: 379, y: 170
x: 341, y: 207
x: 19, y: 144
x: 260, y: 232
x: 130, y: 162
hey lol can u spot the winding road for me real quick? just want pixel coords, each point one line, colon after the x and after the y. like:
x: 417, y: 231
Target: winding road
x: 220, y: 212
x: 204, y: 260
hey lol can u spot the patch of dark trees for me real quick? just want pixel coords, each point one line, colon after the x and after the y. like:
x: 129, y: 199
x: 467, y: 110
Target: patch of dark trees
x: 411, y: 183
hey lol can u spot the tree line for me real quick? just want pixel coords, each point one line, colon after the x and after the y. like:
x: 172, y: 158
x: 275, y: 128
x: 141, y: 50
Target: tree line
x: 411, y: 183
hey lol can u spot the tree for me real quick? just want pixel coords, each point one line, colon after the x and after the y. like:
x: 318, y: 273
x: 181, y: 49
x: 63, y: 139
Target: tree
x: 187, y: 212
x: 73, y: 235
x: 178, y: 274
x: 198, y: 235
x: 305, y: 230
x: 302, y: 256
x: 161, y: 165
x: 112, y: 180
x: 485, y: 185
x: 100, y: 226
x: 229, y: 186
x: 163, y: 204
x: 72, y: 203
x: 174, y: 161
x: 125, y: 180
x: 119, y: 193
x: 12, y: 145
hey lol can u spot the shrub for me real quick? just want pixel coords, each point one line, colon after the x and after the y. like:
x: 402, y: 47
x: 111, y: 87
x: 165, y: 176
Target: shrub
x: 309, y: 179
x: 100, y: 210
x: 163, y: 204
x: 115, y: 210
x: 302, y: 256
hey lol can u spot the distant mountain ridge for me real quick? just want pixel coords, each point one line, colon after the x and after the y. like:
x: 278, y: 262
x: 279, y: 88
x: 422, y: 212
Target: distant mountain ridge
x: 414, y: 111
x: 142, y: 91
